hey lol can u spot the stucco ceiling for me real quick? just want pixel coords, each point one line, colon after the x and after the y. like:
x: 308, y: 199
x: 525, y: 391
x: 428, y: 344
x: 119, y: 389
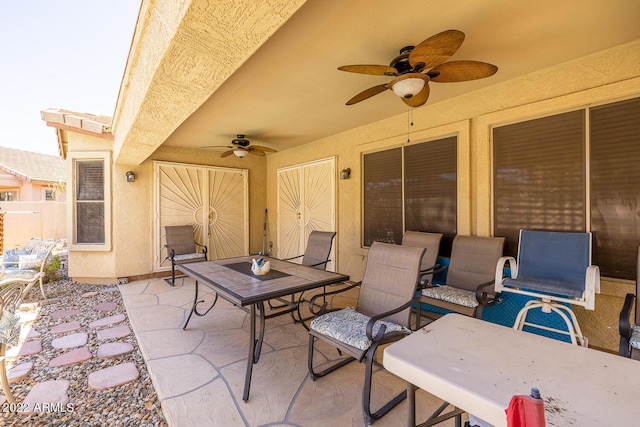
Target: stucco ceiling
x: 290, y: 92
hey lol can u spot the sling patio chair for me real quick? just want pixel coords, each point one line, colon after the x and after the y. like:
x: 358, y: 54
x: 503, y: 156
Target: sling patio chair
x: 318, y: 249
x: 555, y: 268
x: 431, y: 242
x: 382, y: 315
x: 316, y: 255
x: 469, y: 285
x: 629, y: 326
x: 181, y: 248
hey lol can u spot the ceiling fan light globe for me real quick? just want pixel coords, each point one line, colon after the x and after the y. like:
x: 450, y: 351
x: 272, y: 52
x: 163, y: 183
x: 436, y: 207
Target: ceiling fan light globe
x: 240, y: 153
x: 406, y: 88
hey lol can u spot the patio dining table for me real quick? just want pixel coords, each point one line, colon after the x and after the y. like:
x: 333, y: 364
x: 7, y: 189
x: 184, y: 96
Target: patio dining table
x: 232, y: 279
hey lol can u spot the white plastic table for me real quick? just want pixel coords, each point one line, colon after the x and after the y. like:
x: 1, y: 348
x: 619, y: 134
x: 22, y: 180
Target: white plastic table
x: 478, y: 366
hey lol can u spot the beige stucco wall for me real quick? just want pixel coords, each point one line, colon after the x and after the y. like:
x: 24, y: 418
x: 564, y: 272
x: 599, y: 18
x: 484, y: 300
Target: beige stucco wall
x: 603, y: 77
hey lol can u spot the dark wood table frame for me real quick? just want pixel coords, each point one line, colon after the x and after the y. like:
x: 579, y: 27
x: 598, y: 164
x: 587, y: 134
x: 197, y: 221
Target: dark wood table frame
x: 249, y: 293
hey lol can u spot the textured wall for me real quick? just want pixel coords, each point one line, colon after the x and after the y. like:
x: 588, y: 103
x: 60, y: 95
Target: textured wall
x: 179, y: 58
x: 603, y: 77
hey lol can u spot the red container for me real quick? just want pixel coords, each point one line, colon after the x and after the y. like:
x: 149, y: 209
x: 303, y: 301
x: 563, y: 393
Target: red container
x: 526, y: 411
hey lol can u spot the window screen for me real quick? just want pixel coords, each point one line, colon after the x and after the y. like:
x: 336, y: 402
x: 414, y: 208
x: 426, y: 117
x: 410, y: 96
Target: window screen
x: 430, y: 176
x: 383, y: 197
x: 539, y: 176
x: 615, y: 187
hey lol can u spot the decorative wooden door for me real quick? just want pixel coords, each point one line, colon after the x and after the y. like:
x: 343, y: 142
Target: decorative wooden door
x: 306, y: 202
x: 214, y: 200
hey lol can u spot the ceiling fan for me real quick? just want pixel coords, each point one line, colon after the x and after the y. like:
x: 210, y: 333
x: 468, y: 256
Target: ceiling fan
x: 240, y: 146
x: 417, y: 65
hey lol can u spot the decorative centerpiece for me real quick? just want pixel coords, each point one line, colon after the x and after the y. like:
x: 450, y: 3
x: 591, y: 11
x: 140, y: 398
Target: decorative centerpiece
x: 260, y: 267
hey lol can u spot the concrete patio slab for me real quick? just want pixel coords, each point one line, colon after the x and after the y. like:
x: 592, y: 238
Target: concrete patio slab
x: 195, y: 409
x: 173, y: 376
x: 169, y: 342
x: 142, y: 300
x: 160, y: 317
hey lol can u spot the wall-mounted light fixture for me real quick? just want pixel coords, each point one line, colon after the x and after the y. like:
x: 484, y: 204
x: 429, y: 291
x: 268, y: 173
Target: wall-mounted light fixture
x: 345, y: 173
x: 130, y: 176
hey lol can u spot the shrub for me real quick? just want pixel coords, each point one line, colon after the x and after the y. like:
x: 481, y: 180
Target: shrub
x: 52, y: 270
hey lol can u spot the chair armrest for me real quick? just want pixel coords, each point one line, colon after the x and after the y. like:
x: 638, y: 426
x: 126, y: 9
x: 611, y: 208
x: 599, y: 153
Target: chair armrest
x: 320, y: 263
x: 312, y: 301
x: 513, y: 266
x: 289, y: 259
x: 383, y: 328
x: 625, y: 325
x: 435, y: 269
x: 484, y: 297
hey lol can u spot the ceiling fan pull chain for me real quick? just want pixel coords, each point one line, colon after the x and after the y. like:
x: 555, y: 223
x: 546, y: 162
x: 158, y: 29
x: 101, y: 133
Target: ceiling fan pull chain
x: 409, y: 122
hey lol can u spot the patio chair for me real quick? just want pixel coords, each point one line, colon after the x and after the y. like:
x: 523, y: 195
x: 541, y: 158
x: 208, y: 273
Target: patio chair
x: 555, y: 268
x: 316, y: 255
x: 12, y: 292
x: 26, y: 263
x: 470, y: 277
x: 381, y: 316
x: 181, y: 248
x: 431, y: 242
x: 318, y: 250
x: 630, y: 330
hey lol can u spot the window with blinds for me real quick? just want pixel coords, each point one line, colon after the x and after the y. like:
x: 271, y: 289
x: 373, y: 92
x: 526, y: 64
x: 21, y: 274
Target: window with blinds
x: 539, y: 176
x: 90, y: 203
x: 411, y: 188
x: 615, y: 186
x: 383, y: 197
x: 540, y: 180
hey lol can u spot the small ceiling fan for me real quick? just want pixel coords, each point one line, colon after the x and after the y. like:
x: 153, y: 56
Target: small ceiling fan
x: 240, y: 146
x: 417, y: 65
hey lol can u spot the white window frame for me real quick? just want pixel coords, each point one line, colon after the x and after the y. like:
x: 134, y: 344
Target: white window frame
x: 74, y: 158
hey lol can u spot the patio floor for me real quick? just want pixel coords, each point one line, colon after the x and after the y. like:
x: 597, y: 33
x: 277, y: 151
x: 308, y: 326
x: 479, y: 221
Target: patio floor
x: 198, y: 373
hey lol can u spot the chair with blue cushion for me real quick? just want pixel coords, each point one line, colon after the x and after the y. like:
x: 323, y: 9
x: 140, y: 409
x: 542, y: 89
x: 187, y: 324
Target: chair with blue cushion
x: 555, y: 268
x: 381, y: 316
x: 629, y: 326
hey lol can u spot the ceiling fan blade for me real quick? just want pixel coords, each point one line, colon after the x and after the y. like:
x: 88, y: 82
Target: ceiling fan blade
x: 367, y: 93
x: 226, y: 153
x: 436, y: 49
x: 461, y: 71
x: 419, y: 98
x: 265, y: 149
x: 217, y: 146
x: 376, y: 70
x: 255, y: 152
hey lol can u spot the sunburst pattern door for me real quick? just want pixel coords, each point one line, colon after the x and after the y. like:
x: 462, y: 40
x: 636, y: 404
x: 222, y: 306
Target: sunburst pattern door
x: 213, y: 200
x: 306, y: 202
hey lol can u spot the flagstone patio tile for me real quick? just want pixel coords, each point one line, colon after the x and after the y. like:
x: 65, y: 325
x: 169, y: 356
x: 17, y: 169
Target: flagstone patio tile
x: 71, y: 357
x: 116, y: 332
x: 105, y: 321
x: 113, y: 376
x: 70, y: 341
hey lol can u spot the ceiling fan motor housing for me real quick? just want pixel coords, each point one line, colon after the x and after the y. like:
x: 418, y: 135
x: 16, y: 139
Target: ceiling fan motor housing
x: 240, y: 141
